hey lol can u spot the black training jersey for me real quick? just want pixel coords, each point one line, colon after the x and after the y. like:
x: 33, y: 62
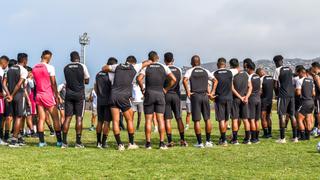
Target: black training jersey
x: 284, y: 76
x: 306, y: 86
x: 75, y: 74
x: 103, y: 88
x: 317, y: 88
x: 256, y: 86
x: 267, y: 88
x: 240, y: 83
x: 224, y: 87
x: 177, y: 73
x: 198, y: 78
x: 123, y: 78
x: 155, y: 76
x: 14, y: 74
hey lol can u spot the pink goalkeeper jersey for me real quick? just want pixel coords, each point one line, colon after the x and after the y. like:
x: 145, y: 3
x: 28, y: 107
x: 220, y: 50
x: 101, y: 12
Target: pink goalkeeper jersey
x: 41, y: 73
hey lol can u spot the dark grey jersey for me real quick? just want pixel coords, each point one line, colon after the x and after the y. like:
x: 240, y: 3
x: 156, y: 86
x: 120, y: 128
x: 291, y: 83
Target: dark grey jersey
x: 284, y: 76
x: 224, y: 87
x: 306, y: 86
x: 14, y: 74
x: 155, y: 76
x: 267, y: 88
x: 256, y: 87
x: 240, y: 83
x: 198, y: 78
x: 103, y: 88
x: 177, y: 73
x: 317, y: 88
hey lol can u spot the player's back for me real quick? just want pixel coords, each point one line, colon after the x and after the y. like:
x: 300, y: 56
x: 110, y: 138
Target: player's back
x: 42, y: 79
x: 155, y: 76
x: 199, y: 80
x: 74, y: 76
x: 224, y: 87
x: 177, y: 73
x: 240, y: 83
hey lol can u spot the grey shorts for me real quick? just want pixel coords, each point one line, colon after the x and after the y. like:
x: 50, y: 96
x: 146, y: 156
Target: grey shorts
x: 137, y: 106
x: 188, y: 107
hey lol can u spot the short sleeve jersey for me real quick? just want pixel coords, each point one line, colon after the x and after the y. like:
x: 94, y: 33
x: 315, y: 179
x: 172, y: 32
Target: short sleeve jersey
x: 224, y: 87
x: 177, y: 73
x: 198, y: 79
x: 14, y: 74
x: 256, y: 86
x: 103, y: 88
x: 240, y: 83
x: 284, y: 76
x: 306, y: 86
x: 267, y: 88
x: 75, y: 73
x: 42, y: 73
x: 155, y: 76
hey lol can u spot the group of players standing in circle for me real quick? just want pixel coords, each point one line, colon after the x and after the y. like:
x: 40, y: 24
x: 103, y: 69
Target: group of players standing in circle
x: 243, y: 95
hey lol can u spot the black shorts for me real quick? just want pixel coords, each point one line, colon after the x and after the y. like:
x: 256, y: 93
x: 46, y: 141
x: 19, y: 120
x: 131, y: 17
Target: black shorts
x: 8, y: 110
x: 104, y: 113
x: 223, y: 110
x: 154, y: 102
x: 297, y: 103
x: 16, y: 107
x: 317, y: 105
x: 239, y: 110
x: 173, y: 104
x: 121, y: 102
x: 254, y: 109
x: 266, y: 106
x: 286, y: 106
x: 74, y: 107
x: 200, y: 105
x: 306, y: 107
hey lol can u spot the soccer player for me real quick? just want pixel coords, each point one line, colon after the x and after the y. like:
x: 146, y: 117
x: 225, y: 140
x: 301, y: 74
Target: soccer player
x: 47, y: 96
x: 93, y: 100
x: 121, y: 93
x: 76, y: 76
x: 137, y: 97
x: 103, y: 89
x: 254, y: 103
x: 199, y: 94
x: 240, y: 111
x: 305, y: 89
x: 315, y: 70
x: 223, y: 101
x: 13, y: 85
x: 31, y: 111
x: 266, y: 102
x: 173, y: 102
x: 284, y: 89
x: 155, y: 76
x: 2, y: 105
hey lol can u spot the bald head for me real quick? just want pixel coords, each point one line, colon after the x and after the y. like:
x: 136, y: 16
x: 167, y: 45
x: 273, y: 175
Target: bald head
x: 195, y: 61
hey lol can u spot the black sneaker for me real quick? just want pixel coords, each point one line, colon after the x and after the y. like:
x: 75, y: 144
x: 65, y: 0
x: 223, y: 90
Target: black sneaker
x: 265, y: 136
x: 246, y: 141
x: 255, y: 141
x: 21, y: 142
x: 234, y: 142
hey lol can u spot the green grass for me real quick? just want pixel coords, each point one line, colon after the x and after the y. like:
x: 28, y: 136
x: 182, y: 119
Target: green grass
x: 266, y: 160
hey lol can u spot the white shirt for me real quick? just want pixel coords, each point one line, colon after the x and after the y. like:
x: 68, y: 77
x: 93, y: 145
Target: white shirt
x: 50, y: 68
x: 23, y: 72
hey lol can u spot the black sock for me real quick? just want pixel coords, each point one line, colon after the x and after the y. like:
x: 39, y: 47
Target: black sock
x: 247, y: 136
x: 294, y: 132
x: 58, y: 135
x: 131, y: 138
x: 32, y: 131
x: 282, y: 133
x: 64, y: 136
x: 265, y: 131
x: 118, y: 139
x: 51, y: 128
x: 104, y: 139
x: 162, y: 144
x: 148, y: 144
x: 257, y: 134
x: 223, y: 137
x: 78, y: 139
x: 234, y: 135
x: 182, y: 136
x: 199, y: 138
x: 303, y: 135
x: 41, y: 137
x: 253, y: 135
x: 1, y: 133
x: 6, y: 135
x: 269, y: 130
x: 169, y: 137
x: 21, y: 132
x: 307, y: 135
x: 98, y: 137
x: 208, y: 137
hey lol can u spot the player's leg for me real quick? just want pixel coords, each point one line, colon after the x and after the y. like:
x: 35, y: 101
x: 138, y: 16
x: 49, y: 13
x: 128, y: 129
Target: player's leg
x: 291, y: 113
x: 69, y: 112
x: 79, y: 107
x: 100, y: 111
x: 205, y: 110
x: 93, y: 118
x: 301, y: 125
x: 140, y: 109
x: 235, y: 114
x: 264, y: 123
x: 282, y: 111
x: 257, y: 119
x: 148, y: 126
x: 16, y: 130
x: 41, y: 120
x: 221, y: 118
x: 168, y: 118
x: 116, y: 126
x: 106, y: 129
x: 176, y: 108
x: 49, y: 123
x: 128, y: 114
x: 56, y: 123
x: 162, y: 129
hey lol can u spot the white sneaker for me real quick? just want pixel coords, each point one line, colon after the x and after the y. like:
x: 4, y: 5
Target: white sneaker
x: 281, y: 141
x: 155, y: 129
x: 99, y: 146
x: 133, y: 146
x: 187, y: 127
x: 209, y: 144
x: 121, y: 147
x: 2, y: 143
x: 295, y: 140
x: 199, y: 145
x: 163, y: 147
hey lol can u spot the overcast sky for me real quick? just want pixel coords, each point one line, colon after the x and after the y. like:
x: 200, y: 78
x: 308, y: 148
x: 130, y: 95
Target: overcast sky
x: 210, y: 28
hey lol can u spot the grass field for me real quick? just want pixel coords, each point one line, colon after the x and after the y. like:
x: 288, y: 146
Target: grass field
x: 266, y: 160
